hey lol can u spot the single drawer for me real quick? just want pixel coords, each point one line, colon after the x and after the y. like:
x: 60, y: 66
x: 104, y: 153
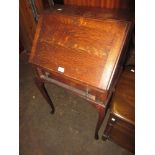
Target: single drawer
x: 120, y: 132
x: 81, y: 89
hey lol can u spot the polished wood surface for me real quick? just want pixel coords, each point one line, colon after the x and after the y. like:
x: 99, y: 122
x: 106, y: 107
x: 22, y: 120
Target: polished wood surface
x: 120, y: 132
x: 92, y: 46
x: 111, y: 4
x: 123, y: 102
x: 79, y: 49
x: 39, y: 6
x: 121, y: 124
x: 27, y: 24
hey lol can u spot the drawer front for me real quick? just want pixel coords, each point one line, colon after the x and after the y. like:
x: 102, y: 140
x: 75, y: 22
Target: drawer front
x: 82, y: 89
x: 121, y: 133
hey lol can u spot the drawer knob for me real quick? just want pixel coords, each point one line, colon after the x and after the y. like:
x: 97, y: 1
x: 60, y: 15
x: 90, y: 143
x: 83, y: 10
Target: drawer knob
x: 113, y: 119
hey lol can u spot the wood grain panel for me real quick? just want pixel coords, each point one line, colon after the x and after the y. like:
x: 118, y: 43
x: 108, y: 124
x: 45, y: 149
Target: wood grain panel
x: 121, y: 124
x: 123, y: 102
x: 86, y: 48
x: 120, y: 132
x: 39, y: 6
x: 111, y: 4
x: 27, y: 25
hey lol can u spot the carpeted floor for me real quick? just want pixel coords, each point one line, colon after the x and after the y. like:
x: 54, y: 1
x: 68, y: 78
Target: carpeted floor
x: 70, y: 131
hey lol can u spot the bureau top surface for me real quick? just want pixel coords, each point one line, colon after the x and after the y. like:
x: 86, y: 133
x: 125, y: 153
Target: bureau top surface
x: 80, y: 46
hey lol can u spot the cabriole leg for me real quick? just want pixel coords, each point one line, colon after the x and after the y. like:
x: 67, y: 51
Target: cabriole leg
x: 41, y: 86
x: 101, y: 114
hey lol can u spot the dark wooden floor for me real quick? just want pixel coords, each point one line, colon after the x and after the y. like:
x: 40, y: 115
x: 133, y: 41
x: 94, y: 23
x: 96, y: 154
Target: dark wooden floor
x: 70, y: 131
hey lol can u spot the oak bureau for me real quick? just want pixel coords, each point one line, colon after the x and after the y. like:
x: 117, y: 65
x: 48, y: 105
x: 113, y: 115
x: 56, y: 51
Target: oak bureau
x: 81, y: 49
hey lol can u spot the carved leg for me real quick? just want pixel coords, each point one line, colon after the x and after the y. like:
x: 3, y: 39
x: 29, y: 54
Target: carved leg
x: 41, y: 86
